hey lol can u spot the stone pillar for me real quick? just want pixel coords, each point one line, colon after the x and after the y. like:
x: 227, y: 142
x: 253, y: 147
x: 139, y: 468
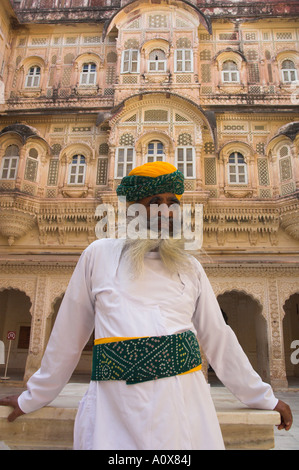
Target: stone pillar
x: 276, y: 356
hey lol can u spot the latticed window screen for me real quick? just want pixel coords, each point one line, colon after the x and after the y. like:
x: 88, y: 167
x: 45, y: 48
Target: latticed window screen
x: 153, y: 115
x: 102, y: 171
x: 10, y: 163
x: 252, y: 54
x: 110, y: 75
x: 56, y: 149
x: 263, y: 172
x: 253, y: 73
x: 104, y: 149
x: 183, y: 43
x: 209, y: 147
x: 206, y: 54
x: 206, y: 75
x: 31, y: 166
x: 111, y: 57
x: 185, y: 139
x: 285, y: 163
x: 66, y: 76
x: 210, y: 171
x: 157, y: 21
x: 53, y: 172
x: 285, y: 167
x: 126, y: 139
x: 260, y: 146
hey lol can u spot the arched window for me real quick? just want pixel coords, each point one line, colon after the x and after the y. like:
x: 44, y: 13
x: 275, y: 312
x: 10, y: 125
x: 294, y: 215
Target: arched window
x: 289, y: 72
x: 77, y: 170
x: 230, y: 72
x: 157, y: 61
x: 285, y: 163
x: 31, y: 165
x: 33, y: 77
x: 155, y: 151
x: 88, y: 74
x: 237, y: 169
x: 10, y: 163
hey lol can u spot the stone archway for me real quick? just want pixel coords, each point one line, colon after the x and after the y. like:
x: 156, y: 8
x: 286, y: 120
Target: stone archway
x: 243, y: 314
x: 15, y: 316
x: 291, y: 333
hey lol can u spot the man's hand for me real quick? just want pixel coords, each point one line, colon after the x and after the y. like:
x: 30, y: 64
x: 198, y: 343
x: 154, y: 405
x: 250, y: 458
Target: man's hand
x: 285, y: 415
x: 13, y: 402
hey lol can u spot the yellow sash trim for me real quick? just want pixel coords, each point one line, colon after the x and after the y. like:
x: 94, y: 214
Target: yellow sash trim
x: 114, y: 339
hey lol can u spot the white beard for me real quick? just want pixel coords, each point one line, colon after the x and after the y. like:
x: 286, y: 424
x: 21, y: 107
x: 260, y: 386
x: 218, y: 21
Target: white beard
x: 173, y: 255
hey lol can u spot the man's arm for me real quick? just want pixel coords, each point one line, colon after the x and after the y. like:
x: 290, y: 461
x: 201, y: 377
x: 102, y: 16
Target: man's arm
x: 224, y: 353
x: 72, y: 329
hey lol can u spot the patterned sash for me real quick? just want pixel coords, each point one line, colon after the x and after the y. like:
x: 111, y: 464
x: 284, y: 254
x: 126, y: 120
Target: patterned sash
x: 138, y: 360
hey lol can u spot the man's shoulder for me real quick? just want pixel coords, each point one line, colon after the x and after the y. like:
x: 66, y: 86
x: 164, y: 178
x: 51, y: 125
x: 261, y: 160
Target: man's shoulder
x: 104, y: 244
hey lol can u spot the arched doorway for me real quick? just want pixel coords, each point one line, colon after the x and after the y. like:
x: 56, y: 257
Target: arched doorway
x: 15, y: 316
x: 83, y: 370
x: 243, y: 314
x: 291, y: 333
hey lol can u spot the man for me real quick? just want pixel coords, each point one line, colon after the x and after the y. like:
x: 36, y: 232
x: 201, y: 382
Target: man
x: 148, y: 301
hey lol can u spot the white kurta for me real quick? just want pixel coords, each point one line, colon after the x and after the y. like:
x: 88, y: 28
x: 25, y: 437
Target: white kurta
x: 174, y: 413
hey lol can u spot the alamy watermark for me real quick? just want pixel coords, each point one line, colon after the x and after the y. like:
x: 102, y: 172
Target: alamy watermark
x: 134, y: 221
x: 295, y: 354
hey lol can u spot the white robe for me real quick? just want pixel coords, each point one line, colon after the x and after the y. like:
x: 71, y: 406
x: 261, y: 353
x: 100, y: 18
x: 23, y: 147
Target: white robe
x: 174, y: 413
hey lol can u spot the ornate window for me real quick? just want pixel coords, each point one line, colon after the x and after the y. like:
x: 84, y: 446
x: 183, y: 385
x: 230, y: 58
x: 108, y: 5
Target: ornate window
x: 285, y: 164
x: 88, y: 74
x: 186, y: 161
x: 31, y: 165
x: 33, y: 77
x: 124, y: 161
x: 289, y: 72
x: 183, y: 60
x: 10, y: 163
x: 157, y: 61
x: 77, y: 170
x: 230, y: 72
x: 130, y: 61
x: 155, y: 151
x: 237, y: 169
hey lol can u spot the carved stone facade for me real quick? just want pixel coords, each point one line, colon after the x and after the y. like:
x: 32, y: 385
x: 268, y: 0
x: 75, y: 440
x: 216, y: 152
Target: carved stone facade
x: 88, y: 90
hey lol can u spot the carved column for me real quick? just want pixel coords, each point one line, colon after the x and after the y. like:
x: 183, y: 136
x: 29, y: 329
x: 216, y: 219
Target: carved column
x: 276, y: 356
x: 111, y: 168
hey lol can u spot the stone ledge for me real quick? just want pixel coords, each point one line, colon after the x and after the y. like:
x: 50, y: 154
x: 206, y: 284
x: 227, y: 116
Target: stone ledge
x: 51, y: 428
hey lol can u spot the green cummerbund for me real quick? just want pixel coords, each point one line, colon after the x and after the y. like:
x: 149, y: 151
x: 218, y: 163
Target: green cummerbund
x: 138, y: 360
